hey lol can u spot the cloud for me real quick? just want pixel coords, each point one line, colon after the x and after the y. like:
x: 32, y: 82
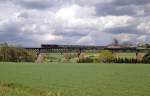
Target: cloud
x: 130, y: 2
x: 22, y: 28
x: 44, y: 4
x: 34, y: 4
x: 95, y: 22
x: 144, y: 26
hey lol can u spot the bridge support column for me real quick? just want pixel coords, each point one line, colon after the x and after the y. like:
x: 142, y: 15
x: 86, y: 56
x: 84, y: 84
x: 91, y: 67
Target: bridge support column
x: 38, y: 52
x: 139, y: 56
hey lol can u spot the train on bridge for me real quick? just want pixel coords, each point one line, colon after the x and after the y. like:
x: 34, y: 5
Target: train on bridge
x: 54, y: 48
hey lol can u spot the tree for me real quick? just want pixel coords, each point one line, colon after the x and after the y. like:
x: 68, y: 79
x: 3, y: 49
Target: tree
x: 115, y: 42
x: 106, y: 57
x: 14, y: 54
x: 146, y: 58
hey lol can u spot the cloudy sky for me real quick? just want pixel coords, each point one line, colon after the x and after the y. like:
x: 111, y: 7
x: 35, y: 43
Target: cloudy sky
x: 88, y: 22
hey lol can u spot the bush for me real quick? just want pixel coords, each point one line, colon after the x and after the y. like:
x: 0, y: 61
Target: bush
x: 105, y: 57
x: 52, y: 59
x: 83, y: 59
x: 13, y: 54
x: 125, y: 60
x: 146, y: 58
x: 69, y: 56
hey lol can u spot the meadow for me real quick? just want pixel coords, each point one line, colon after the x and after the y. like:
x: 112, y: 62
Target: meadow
x: 66, y: 79
x: 58, y: 57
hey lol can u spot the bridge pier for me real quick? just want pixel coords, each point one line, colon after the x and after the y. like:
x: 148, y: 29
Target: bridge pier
x: 140, y: 55
x: 79, y: 50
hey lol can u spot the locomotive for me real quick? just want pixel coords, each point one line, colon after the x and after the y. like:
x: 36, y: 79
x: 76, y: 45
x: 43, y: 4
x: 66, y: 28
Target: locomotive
x: 55, y: 46
x: 49, y: 46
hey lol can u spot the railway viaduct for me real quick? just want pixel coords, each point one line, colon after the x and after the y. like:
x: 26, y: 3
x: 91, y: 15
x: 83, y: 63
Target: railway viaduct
x: 79, y: 49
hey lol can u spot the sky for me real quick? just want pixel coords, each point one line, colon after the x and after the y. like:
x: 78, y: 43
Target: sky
x: 76, y: 22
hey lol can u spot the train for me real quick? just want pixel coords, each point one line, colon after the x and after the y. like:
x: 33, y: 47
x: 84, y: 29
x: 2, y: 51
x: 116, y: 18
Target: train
x: 55, y: 46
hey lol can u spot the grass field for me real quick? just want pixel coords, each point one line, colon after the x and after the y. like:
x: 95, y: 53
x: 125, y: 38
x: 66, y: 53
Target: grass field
x: 58, y: 57
x: 125, y: 55
x: 76, y: 79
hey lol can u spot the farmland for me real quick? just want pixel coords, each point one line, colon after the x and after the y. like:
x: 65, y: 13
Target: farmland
x: 77, y: 79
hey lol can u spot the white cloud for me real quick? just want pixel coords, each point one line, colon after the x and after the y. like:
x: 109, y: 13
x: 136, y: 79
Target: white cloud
x: 126, y: 37
x: 144, y: 26
x: 76, y: 21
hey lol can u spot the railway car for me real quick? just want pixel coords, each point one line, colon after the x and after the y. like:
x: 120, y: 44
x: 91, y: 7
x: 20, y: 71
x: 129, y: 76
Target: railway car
x: 49, y: 46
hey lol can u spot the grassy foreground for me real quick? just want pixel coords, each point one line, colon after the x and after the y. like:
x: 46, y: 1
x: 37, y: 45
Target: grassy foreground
x: 74, y: 79
x: 11, y: 89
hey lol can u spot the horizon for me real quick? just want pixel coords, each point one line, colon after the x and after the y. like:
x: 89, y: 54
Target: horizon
x: 74, y: 22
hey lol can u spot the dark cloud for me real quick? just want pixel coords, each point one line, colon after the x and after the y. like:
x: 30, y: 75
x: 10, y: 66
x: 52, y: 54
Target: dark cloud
x: 123, y: 7
x: 34, y: 4
x: 127, y: 29
x: 130, y: 2
x: 41, y: 4
x: 4, y: 0
x: 104, y: 10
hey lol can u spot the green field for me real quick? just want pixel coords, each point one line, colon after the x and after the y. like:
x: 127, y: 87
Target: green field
x: 58, y: 57
x: 77, y: 79
x: 125, y: 55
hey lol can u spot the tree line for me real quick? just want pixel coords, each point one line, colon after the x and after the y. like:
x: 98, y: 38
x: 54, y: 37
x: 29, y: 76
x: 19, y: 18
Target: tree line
x: 15, y: 54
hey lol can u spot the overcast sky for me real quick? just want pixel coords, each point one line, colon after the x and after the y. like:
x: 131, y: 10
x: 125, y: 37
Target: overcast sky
x: 88, y: 22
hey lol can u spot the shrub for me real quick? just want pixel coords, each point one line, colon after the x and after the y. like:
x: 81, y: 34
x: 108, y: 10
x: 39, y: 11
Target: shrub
x: 69, y: 56
x: 13, y: 54
x: 51, y: 59
x: 125, y: 60
x: 83, y: 59
x: 106, y: 57
x: 146, y: 58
